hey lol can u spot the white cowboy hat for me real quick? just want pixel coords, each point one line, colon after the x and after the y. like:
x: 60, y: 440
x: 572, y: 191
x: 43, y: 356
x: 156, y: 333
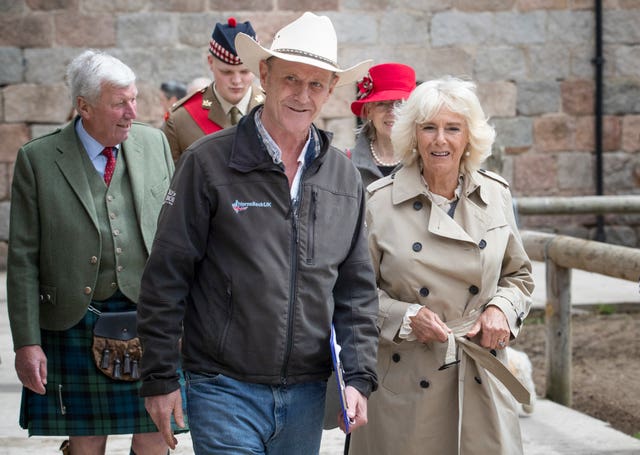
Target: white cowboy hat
x: 309, y: 39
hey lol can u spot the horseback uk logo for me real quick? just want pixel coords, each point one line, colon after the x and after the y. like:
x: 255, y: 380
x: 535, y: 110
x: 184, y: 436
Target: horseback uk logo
x: 239, y: 206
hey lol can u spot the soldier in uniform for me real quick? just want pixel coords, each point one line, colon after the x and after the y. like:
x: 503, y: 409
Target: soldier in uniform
x: 220, y: 105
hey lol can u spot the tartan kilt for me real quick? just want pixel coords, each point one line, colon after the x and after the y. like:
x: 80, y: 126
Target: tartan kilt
x: 79, y: 399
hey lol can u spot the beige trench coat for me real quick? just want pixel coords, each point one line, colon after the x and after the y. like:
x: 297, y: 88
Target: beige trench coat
x: 455, y: 268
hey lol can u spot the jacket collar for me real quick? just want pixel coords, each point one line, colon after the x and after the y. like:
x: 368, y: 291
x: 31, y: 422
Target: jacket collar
x: 248, y: 153
x: 408, y: 185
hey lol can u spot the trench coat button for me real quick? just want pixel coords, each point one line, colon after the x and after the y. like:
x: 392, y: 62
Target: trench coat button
x: 473, y: 289
x: 87, y: 290
x: 93, y: 260
x: 520, y: 319
x: 424, y: 292
x: 395, y: 357
x: 482, y: 244
x: 114, y: 285
x: 425, y: 384
x: 417, y: 246
x: 478, y: 380
x: 493, y: 353
x: 417, y: 205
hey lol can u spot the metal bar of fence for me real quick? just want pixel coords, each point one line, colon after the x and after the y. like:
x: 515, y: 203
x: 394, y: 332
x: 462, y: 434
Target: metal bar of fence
x: 577, y: 205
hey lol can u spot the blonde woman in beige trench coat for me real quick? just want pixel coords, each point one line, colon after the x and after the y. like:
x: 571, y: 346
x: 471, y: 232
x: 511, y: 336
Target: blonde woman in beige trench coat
x: 454, y: 285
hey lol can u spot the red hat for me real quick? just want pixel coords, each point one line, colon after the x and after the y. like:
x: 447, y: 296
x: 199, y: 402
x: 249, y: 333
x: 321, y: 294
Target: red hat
x: 385, y: 82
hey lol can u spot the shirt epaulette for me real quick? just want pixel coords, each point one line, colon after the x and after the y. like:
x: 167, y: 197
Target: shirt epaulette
x: 380, y: 183
x: 494, y: 176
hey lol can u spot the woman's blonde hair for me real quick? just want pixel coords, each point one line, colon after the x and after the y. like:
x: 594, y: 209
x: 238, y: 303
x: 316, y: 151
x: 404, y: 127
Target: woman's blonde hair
x: 424, y: 103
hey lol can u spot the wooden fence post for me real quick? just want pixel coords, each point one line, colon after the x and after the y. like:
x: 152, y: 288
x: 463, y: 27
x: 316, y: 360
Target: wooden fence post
x: 558, y: 325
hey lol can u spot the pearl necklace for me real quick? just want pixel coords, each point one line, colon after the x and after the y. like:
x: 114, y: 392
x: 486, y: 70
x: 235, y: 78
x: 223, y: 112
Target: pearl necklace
x: 378, y: 160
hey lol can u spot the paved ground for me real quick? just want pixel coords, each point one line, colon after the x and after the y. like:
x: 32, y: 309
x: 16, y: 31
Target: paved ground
x: 551, y: 430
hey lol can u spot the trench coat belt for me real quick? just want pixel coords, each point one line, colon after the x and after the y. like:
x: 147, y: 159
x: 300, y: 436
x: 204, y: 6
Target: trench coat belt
x: 482, y: 356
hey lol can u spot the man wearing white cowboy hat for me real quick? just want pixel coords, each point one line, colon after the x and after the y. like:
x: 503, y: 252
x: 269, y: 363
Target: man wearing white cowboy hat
x: 261, y: 247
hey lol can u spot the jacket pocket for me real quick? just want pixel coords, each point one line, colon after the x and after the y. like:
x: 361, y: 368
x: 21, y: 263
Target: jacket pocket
x: 311, y: 230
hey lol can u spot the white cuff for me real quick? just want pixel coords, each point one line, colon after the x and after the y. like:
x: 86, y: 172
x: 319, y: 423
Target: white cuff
x: 405, y: 330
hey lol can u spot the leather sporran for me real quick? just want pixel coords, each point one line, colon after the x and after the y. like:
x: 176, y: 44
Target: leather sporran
x: 116, y: 346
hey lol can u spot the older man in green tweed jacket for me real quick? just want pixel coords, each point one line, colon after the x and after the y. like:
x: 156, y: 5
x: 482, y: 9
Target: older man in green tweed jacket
x: 84, y: 205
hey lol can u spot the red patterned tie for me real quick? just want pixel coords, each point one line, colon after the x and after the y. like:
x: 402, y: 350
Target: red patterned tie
x: 111, y: 164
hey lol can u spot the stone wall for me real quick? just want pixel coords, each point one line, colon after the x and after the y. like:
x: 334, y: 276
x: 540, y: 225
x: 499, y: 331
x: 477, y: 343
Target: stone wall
x: 532, y: 60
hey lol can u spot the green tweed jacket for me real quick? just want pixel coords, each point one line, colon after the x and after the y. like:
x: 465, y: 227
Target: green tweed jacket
x: 54, y: 241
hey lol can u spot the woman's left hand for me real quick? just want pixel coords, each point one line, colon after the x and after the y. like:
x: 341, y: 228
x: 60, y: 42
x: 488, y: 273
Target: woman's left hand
x: 493, y: 328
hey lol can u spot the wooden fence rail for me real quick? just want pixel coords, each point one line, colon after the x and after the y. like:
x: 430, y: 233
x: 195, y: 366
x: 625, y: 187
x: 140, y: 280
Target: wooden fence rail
x: 561, y: 254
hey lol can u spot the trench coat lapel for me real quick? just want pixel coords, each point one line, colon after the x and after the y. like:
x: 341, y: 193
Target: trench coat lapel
x: 70, y: 164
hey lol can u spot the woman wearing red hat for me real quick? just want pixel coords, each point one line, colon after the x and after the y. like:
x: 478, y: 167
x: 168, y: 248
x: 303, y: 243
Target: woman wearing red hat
x: 378, y: 93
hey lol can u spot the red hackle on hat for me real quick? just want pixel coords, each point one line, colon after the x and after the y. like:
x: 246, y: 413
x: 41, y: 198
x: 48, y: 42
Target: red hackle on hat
x: 232, y: 22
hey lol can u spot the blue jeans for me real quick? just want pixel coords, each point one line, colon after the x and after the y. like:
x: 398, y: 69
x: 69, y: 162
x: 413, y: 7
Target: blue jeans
x: 227, y: 416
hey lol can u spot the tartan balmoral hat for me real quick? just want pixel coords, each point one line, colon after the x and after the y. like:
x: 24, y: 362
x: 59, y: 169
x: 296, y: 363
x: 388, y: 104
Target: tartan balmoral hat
x: 222, y: 42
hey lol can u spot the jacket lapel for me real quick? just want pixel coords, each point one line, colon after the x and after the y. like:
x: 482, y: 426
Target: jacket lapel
x: 70, y: 164
x: 133, y: 153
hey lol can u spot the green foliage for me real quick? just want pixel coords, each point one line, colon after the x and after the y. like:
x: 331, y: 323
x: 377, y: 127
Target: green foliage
x: 606, y: 309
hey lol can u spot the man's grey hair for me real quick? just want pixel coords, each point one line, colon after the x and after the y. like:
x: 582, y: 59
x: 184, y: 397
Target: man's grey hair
x: 88, y: 71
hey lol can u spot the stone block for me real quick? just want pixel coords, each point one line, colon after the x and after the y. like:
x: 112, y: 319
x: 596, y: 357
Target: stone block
x: 549, y: 62
x: 343, y: 130
x: 183, y: 6
x: 4, y: 251
x: 516, y: 132
x: 115, y: 6
x: 36, y: 103
x: 48, y: 66
x: 339, y: 104
x: 434, y: 63
x: 621, y: 26
x: 149, y: 104
x: 5, y: 183
x: 456, y: 28
x: 80, y: 30
x: 619, y: 235
x: 52, y: 5
x: 585, y: 133
x: 500, y: 63
x: 619, y: 169
x: 572, y: 27
x: 575, y: 171
x: 577, y: 96
x: 5, y: 208
x: 517, y: 28
x: 483, y: 5
x: 185, y: 64
x: 538, y: 97
x: 32, y: 30
x: 623, y: 96
x: 366, y: 31
x: 403, y: 28
x: 12, y: 137
x: 554, y: 132
x: 429, y: 6
x: 146, y: 30
x: 195, y: 29
x: 11, y: 67
x: 535, y: 174
x: 498, y: 99
x: 582, y: 66
x: 42, y: 129
x: 308, y: 5
x: 631, y: 133
x: 627, y: 61
x: 267, y: 25
x: 532, y: 5
x: 13, y: 7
